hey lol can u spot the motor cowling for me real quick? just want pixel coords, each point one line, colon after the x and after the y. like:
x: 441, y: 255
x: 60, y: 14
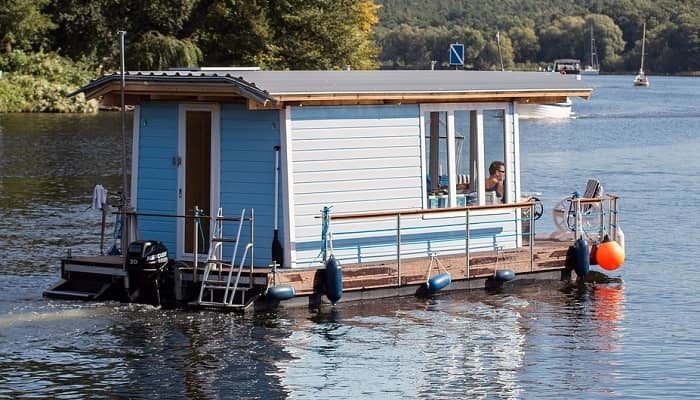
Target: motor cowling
x: 146, y: 255
x: 145, y: 263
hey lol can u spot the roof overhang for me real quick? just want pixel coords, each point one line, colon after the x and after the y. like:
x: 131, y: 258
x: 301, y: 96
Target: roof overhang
x: 139, y: 87
x: 277, y: 89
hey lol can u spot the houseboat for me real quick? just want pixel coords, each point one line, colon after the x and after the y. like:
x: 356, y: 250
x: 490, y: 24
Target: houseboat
x: 255, y: 189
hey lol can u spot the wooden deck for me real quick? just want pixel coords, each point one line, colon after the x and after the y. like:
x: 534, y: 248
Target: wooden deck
x: 361, y: 281
x: 547, y: 255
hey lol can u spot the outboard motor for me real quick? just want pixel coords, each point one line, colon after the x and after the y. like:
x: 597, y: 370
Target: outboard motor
x: 145, y: 261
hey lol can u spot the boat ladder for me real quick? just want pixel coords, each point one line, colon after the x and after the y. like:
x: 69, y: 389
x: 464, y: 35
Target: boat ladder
x: 220, y: 286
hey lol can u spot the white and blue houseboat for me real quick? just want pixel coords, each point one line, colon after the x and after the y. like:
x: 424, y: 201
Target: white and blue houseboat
x: 275, y: 179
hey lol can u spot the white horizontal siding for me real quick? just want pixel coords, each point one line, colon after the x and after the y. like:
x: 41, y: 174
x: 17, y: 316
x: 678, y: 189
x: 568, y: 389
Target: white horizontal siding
x: 358, y: 164
x: 368, y: 142
x: 364, y: 159
x: 358, y: 184
x: 367, y: 155
x: 321, y: 124
x: 355, y: 159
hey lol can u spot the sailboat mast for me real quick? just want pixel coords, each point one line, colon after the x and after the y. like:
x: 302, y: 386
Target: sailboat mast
x: 644, y: 39
x: 592, y: 47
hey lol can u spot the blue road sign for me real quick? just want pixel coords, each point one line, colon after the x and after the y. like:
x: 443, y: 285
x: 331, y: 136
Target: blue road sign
x: 456, y: 54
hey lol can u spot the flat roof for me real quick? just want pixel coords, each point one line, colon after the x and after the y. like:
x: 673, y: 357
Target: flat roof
x: 274, y: 89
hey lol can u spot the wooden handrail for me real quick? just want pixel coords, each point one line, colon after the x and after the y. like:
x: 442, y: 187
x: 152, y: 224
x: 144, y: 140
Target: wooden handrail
x: 589, y: 200
x: 419, y: 211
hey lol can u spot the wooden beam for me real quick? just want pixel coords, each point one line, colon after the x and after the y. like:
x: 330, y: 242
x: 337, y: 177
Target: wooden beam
x: 544, y: 96
x: 156, y: 88
x: 268, y: 105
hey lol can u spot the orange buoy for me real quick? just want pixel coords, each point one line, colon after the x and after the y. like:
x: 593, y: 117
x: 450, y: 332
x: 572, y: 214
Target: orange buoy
x: 610, y: 255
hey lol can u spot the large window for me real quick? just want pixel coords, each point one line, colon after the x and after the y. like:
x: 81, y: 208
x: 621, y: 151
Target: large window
x: 461, y: 143
x: 494, y: 156
x: 436, y: 151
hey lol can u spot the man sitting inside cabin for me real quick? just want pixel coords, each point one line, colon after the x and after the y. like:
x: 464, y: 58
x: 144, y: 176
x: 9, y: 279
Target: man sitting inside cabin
x: 494, y: 183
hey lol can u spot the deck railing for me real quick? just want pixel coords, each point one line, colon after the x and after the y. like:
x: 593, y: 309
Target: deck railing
x: 469, y: 213
x: 197, y: 218
x: 473, y: 218
x: 604, y: 209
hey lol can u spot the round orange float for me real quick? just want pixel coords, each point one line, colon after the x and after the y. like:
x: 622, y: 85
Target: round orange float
x: 610, y: 255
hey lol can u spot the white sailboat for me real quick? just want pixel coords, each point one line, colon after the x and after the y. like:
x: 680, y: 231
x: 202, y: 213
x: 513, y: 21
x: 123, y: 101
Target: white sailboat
x: 593, y: 68
x: 641, y: 78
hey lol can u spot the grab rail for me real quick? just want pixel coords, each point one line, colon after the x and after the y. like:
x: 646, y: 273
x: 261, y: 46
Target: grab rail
x: 610, y: 201
x: 197, y: 219
x: 608, y: 208
x: 467, y: 210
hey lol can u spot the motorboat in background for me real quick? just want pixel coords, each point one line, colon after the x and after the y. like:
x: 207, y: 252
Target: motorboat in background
x: 567, y: 66
x: 560, y: 110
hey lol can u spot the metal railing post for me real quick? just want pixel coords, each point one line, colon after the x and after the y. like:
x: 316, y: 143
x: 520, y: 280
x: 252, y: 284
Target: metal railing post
x: 398, y: 249
x: 610, y: 218
x: 614, y: 218
x: 252, y: 248
x: 602, y: 219
x: 466, y: 238
x: 196, y: 242
x: 531, y: 239
x: 578, y: 221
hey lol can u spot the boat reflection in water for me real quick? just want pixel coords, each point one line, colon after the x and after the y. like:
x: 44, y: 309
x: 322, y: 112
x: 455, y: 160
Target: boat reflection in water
x: 609, y: 314
x: 448, y: 347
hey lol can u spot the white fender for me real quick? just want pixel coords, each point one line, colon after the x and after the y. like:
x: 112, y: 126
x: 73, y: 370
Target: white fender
x: 620, y: 237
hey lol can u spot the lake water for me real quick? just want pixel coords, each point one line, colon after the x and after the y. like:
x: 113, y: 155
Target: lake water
x: 634, y: 338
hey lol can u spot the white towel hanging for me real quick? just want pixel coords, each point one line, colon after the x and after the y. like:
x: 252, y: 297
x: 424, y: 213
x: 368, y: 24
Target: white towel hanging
x: 99, y: 197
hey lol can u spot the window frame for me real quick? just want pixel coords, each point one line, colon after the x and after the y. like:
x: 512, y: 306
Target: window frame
x: 510, y: 140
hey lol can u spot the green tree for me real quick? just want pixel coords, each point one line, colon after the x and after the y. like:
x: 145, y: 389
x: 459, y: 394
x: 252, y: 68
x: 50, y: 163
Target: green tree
x: 474, y: 44
x: 489, y: 58
x: 689, y: 40
x: 323, y: 34
x: 608, y: 37
x: 235, y: 32
x: 154, y: 51
x: 23, y: 24
x: 405, y: 46
x: 82, y: 29
x: 563, y: 38
x: 525, y: 43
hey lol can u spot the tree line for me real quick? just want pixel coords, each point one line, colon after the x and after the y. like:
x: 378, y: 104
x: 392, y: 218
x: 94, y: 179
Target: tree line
x: 532, y: 33
x: 365, y: 34
x: 272, y: 34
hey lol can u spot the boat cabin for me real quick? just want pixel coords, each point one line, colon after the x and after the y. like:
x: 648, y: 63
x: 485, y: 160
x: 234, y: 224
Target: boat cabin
x: 571, y: 66
x: 356, y: 141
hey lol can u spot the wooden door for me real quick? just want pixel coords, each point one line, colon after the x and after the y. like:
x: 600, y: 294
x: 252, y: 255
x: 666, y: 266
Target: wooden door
x: 197, y: 176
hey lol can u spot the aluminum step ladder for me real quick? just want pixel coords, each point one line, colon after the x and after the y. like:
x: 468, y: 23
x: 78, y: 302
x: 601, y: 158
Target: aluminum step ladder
x: 219, y: 288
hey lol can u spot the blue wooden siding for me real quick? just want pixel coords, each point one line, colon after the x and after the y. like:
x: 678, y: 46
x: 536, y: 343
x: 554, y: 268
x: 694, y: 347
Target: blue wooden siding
x: 157, y: 176
x: 368, y: 158
x: 247, y: 172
